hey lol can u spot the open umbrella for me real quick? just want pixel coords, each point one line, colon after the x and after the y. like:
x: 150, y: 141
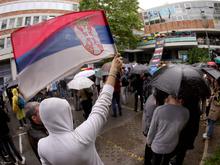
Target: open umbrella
x: 199, y: 65
x: 12, y: 84
x: 217, y: 60
x: 139, y: 69
x: 80, y: 83
x: 174, y: 79
x: 106, y: 68
x: 212, y: 72
x: 211, y: 63
x: 85, y: 73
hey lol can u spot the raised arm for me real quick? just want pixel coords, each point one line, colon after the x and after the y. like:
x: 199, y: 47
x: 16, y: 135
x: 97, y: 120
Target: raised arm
x: 89, y: 129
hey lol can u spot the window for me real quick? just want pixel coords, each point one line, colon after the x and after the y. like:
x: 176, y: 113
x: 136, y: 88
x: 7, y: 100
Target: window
x: 185, y: 17
x: 19, y: 21
x: 43, y: 18
x: 27, y: 21
x: 36, y: 19
x: 4, y: 24
x: 51, y: 16
x: 8, y: 43
x: 2, y: 43
x: 11, y: 23
x: 187, y: 5
x: 75, y: 7
x: 177, y: 6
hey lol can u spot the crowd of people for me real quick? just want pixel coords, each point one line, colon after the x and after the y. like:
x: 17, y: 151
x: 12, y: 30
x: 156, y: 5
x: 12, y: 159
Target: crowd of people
x: 170, y: 123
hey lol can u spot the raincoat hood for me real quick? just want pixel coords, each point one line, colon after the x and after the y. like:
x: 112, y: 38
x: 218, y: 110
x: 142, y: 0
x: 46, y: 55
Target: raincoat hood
x: 14, y: 92
x: 55, y: 113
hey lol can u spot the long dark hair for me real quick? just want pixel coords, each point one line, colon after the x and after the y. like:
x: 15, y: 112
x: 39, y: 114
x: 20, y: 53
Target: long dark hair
x: 160, y: 96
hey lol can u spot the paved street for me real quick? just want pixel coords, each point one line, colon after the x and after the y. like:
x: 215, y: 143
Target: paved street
x: 121, y: 141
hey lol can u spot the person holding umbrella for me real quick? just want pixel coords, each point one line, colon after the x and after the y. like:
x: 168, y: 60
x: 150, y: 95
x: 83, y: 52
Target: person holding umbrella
x: 214, y: 113
x: 187, y: 83
x: 167, y: 122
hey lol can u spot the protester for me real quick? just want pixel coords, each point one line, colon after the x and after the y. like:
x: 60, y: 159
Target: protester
x: 62, y: 88
x: 85, y: 96
x: 64, y: 145
x: 157, y: 98
x: 189, y: 132
x: 214, y: 113
x: 116, y: 101
x: 36, y: 131
x: 167, y: 122
x: 17, y: 108
x: 8, y: 151
x: 138, y: 91
x: 124, y: 86
x: 196, y: 105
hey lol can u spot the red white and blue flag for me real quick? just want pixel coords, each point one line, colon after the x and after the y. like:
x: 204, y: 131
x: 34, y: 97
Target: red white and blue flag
x: 50, y: 50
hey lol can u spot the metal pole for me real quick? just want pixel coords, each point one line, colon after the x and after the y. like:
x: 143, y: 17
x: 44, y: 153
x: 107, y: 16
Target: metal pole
x: 208, y: 42
x: 206, y: 26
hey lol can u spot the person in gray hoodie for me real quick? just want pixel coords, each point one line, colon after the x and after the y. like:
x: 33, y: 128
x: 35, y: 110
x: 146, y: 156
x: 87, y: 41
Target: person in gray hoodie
x: 68, y: 146
x: 167, y: 122
x: 157, y: 98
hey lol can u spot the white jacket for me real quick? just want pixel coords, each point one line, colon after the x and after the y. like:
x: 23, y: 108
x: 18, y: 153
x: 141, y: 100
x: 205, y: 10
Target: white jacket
x: 64, y: 145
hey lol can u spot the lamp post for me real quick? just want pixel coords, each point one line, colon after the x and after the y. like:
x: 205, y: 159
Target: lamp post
x: 205, y: 25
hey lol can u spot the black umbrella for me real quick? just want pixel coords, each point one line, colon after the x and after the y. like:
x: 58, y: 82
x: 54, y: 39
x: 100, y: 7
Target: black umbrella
x: 179, y: 80
x: 139, y: 69
x: 212, y: 72
x: 12, y: 84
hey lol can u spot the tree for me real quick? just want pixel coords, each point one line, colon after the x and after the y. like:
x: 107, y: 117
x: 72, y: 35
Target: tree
x: 198, y: 55
x: 122, y: 17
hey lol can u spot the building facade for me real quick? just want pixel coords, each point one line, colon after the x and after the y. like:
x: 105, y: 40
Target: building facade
x: 15, y: 14
x: 182, y: 25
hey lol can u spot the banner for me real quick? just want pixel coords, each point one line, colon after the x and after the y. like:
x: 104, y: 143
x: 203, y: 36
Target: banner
x: 158, y: 52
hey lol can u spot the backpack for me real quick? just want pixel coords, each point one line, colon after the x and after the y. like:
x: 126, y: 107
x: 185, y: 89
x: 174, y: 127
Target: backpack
x: 21, y: 102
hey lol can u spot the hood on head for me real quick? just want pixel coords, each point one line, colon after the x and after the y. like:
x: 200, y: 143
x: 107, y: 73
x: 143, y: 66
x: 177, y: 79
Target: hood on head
x: 56, y: 115
x: 14, y: 92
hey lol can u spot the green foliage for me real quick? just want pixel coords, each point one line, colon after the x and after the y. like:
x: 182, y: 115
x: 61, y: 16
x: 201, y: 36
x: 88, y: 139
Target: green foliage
x: 214, y: 159
x: 122, y: 17
x: 198, y: 55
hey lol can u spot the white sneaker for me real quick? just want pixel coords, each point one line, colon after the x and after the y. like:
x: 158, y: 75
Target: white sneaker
x: 205, y: 136
x: 23, y: 160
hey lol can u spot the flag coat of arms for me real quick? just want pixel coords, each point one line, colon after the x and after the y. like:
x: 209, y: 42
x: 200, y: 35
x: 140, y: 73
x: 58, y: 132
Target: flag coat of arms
x: 50, y: 50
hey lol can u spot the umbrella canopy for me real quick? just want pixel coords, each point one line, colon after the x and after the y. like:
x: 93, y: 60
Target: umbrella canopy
x: 217, y: 60
x: 12, y: 84
x: 139, y: 69
x: 212, y: 72
x: 86, y: 69
x: 174, y: 79
x: 152, y: 69
x: 211, y: 63
x: 80, y: 83
x: 199, y: 65
x: 85, y: 73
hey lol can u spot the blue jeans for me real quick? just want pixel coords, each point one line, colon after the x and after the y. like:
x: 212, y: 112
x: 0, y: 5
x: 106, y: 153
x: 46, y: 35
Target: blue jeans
x: 211, y: 124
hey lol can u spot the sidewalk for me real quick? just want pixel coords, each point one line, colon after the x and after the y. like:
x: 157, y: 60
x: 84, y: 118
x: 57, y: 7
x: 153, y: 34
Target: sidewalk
x: 121, y: 141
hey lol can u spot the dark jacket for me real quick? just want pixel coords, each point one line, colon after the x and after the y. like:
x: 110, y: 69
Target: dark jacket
x: 4, y: 119
x: 35, y: 133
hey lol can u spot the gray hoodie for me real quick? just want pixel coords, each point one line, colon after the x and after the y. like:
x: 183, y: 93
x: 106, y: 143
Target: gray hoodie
x: 64, y: 145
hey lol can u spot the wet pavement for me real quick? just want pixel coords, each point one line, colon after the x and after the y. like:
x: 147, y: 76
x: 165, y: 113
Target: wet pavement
x: 121, y: 141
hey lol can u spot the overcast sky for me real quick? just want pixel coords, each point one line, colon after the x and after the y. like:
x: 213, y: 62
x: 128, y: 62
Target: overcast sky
x: 146, y: 4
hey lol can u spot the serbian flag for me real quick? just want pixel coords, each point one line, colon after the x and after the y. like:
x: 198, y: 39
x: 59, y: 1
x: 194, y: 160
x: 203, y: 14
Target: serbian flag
x: 53, y: 49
